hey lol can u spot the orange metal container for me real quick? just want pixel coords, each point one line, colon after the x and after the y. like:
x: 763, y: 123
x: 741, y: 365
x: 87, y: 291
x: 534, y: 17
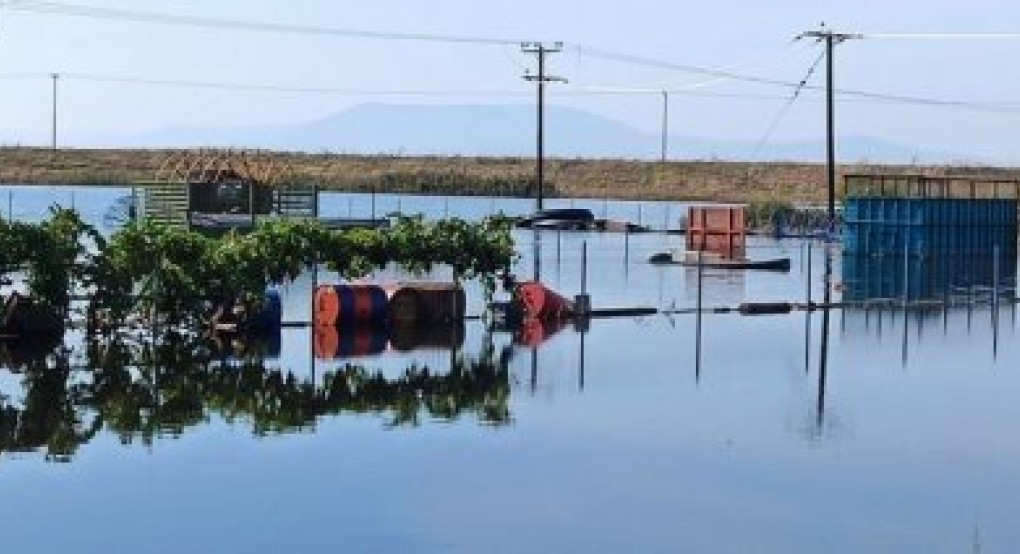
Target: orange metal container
x: 720, y: 230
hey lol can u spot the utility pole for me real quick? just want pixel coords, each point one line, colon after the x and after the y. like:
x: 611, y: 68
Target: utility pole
x: 665, y: 124
x: 541, y: 50
x: 55, y: 77
x: 831, y: 39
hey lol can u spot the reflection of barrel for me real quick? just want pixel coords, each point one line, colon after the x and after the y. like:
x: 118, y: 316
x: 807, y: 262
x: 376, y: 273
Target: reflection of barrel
x: 407, y: 338
x: 534, y: 332
x: 539, y: 302
x: 427, y: 303
x: 350, y: 305
x: 271, y: 314
x: 331, y: 342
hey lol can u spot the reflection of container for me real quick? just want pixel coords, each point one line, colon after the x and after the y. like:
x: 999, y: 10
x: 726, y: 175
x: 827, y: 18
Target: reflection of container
x: 350, y: 305
x: 718, y: 229
x: 331, y: 342
x: 406, y: 338
x: 427, y: 303
x: 539, y: 302
x: 271, y: 314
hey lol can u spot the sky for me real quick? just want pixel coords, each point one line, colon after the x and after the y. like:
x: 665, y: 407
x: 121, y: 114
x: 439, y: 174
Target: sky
x: 744, y: 36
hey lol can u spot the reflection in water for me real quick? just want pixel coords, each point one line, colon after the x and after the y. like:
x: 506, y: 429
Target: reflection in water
x: 932, y: 278
x: 145, y: 391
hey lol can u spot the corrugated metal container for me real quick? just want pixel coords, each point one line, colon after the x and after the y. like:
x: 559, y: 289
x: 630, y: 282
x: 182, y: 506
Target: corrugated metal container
x: 930, y: 227
x: 718, y: 229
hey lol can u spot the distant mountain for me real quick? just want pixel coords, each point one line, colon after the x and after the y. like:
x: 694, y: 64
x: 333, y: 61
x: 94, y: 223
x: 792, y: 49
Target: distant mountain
x: 507, y: 130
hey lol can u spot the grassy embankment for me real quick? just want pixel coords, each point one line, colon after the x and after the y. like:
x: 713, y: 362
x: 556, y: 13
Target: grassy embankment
x: 576, y: 178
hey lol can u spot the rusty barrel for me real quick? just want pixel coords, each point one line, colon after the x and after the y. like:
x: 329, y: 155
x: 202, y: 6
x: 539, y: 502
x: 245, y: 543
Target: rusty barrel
x: 538, y: 302
x: 350, y: 306
x: 426, y: 304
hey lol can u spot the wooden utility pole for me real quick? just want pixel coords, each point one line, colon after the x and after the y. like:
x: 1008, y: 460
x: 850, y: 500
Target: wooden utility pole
x: 541, y: 50
x: 831, y: 39
x: 665, y: 124
x: 53, y: 139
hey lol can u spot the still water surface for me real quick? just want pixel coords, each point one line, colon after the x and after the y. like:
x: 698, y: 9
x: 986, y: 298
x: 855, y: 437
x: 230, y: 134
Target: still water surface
x: 899, y: 439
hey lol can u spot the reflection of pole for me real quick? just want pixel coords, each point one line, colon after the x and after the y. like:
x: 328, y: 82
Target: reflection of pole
x: 311, y: 328
x: 697, y: 325
x: 995, y: 302
x: 534, y: 369
x: 580, y: 375
x: 807, y: 313
x: 906, y: 300
x: 823, y: 361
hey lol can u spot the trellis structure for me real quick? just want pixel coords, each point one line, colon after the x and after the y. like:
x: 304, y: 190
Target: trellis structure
x: 223, y: 189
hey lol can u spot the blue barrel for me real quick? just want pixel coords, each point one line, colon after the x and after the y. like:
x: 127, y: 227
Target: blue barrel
x: 361, y: 305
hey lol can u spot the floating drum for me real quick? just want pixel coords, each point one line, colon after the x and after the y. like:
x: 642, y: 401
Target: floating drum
x: 541, y: 303
x: 350, y: 305
x: 427, y: 303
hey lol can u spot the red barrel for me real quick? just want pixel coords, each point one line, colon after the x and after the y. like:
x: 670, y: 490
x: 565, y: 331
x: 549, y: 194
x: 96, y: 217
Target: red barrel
x: 426, y: 304
x: 538, y: 302
x: 350, y: 305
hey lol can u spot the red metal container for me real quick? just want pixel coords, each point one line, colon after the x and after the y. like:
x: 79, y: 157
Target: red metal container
x: 719, y: 230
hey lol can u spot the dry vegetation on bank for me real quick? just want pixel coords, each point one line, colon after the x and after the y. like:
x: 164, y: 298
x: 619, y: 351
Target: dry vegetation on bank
x: 596, y: 178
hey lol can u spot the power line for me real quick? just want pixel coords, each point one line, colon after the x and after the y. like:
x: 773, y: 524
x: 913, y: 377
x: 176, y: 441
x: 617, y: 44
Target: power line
x: 942, y: 36
x: 286, y: 89
x: 786, y: 107
x: 729, y: 75
x: 95, y: 12
x: 997, y: 106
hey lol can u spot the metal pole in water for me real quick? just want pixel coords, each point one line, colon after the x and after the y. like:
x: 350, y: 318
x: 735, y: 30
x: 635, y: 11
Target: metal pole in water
x: 10, y: 205
x: 665, y: 218
x: 584, y: 267
x: 640, y: 218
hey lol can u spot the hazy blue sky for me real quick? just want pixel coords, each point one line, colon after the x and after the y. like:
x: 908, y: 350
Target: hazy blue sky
x: 749, y: 36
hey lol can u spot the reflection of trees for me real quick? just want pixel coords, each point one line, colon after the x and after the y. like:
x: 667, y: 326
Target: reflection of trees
x: 50, y: 418
x: 143, y: 391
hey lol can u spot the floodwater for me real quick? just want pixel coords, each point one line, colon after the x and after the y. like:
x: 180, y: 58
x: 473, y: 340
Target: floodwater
x: 855, y: 430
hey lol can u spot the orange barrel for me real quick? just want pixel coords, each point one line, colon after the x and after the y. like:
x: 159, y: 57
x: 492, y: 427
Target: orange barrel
x: 407, y: 338
x: 539, y: 302
x: 427, y: 303
x: 350, y: 305
x: 332, y: 343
